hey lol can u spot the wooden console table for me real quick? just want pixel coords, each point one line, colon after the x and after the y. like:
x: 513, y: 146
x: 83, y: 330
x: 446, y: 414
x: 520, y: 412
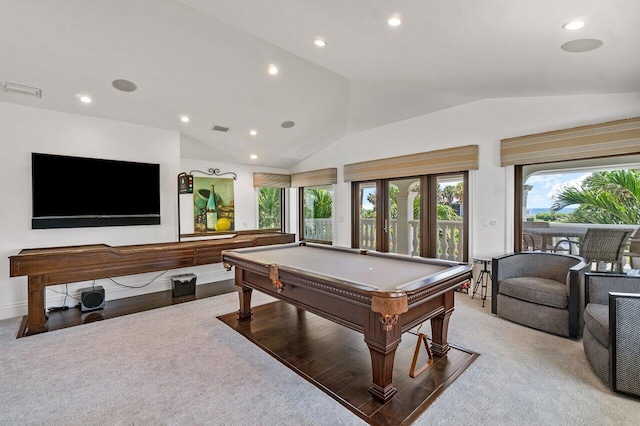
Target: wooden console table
x: 61, y: 265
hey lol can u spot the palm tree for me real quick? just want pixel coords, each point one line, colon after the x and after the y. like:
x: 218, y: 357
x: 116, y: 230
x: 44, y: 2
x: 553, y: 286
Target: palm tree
x: 269, y: 208
x: 322, y: 203
x: 611, y: 197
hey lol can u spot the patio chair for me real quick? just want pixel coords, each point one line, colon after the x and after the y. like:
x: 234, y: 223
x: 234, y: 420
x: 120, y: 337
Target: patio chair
x: 529, y: 241
x: 634, y: 250
x: 612, y: 330
x: 541, y: 290
x: 601, y: 245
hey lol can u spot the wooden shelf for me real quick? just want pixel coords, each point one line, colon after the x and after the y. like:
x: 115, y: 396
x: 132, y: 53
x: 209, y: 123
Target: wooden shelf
x: 130, y: 305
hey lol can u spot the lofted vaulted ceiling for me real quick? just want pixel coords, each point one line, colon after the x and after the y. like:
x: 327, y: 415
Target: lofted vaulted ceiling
x: 208, y: 59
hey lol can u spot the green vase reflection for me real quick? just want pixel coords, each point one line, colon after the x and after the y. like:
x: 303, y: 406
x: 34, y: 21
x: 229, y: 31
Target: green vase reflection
x: 212, y: 211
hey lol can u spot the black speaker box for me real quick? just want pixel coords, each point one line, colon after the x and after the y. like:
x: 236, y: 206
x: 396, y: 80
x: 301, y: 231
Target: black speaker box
x: 183, y: 285
x: 91, y: 298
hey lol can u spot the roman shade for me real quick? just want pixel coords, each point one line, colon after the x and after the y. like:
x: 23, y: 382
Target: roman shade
x: 271, y: 180
x: 618, y: 137
x: 441, y: 161
x: 315, y: 178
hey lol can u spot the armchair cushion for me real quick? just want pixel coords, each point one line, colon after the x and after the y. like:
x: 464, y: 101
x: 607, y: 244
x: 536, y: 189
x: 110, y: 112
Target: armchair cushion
x: 538, y: 290
x: 596, y: 320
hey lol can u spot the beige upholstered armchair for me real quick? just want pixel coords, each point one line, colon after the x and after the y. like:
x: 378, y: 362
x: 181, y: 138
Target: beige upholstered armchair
x: 541, y: 290
x: 612, y: 330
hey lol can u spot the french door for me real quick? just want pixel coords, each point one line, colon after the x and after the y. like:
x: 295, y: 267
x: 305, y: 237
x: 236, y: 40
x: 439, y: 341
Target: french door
x: 417, y: 216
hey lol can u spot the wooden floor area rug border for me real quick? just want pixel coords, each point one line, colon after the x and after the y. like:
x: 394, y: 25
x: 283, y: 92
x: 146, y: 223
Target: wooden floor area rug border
x: 336, y: 360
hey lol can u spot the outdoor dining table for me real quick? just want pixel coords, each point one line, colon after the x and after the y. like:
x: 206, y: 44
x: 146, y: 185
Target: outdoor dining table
x: 548, y: 234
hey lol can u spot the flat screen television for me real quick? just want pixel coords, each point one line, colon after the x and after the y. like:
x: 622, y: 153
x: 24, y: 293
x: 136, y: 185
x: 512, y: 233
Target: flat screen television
x: 75, y: 192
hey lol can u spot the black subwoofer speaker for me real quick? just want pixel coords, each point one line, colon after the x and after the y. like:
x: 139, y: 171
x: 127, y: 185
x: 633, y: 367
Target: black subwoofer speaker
x: 91, y: 298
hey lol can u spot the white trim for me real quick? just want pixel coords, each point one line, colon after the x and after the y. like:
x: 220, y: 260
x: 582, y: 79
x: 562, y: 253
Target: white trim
x: 509, y: 214
x: 472, y: 184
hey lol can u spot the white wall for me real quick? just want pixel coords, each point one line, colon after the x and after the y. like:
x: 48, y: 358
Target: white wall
x: 482, y: 123
x: 24, y: 130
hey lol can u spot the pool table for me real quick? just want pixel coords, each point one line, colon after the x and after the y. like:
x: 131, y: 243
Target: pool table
x: 381, y: 295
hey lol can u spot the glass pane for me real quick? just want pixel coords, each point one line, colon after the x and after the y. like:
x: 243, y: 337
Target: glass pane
x: 572, y: 200
x: 269, y: 208
x: 403, y: 223
x: 368, y: 214
x: 450, y: 217
x: 318, y: 212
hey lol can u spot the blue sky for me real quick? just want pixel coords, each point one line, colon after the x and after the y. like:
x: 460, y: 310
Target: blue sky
x: 544, y: 186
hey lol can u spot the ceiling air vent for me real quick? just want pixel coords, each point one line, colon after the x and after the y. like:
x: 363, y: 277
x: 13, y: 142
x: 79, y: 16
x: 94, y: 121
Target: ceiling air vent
x: 219, y: 128
x: 22, y: 90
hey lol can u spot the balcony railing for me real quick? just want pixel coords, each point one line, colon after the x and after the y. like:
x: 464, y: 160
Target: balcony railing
x: 318, y: 229
x: 450, y: 235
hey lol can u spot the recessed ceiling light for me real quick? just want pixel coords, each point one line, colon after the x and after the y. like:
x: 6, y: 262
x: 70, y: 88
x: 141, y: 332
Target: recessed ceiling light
x: 253, y: 156
x: 85, y: 99
x: 395, y: 20
x: 320, y: 42
x: 253, y: 132
x: 581, y: 45
x: 273, y: 70
x: 287, y: 124
x: 184, y: 118
x: 573, y: 25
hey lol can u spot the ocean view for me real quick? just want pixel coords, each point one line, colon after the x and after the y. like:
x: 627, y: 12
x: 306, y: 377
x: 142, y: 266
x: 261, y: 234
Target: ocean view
x: 535, y: 211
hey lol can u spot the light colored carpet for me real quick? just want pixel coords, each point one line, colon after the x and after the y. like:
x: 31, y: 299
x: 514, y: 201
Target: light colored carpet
x: 181, y: 365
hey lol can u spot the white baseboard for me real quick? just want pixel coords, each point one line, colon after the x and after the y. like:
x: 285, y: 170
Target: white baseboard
x: 112, y: 291
x: 13, y: 310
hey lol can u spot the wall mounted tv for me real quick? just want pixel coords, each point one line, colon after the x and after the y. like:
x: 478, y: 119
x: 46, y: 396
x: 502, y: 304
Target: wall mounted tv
x: 75, y: 192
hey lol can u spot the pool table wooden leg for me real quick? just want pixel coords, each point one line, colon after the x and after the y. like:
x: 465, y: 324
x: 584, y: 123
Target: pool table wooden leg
x: 440, y: 327
x: 244, y: 294
x: 382, y: 346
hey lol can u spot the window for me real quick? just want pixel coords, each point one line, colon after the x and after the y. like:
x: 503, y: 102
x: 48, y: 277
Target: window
x: 451, y: 242
x: 270, y: 208
x: 575, y: 194
x: 316, y: 210
x: 410, y: 215
x: 603, y: 147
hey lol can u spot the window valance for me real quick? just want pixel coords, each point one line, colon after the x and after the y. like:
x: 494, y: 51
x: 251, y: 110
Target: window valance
x: 441, y: 161
x: 271, y: 180
x: 315, y: 178
x: 618, y: 137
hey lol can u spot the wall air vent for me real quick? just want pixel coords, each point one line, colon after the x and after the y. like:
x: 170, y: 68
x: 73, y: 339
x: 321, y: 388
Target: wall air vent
x: 22, y: 90
x: 220, y: 128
